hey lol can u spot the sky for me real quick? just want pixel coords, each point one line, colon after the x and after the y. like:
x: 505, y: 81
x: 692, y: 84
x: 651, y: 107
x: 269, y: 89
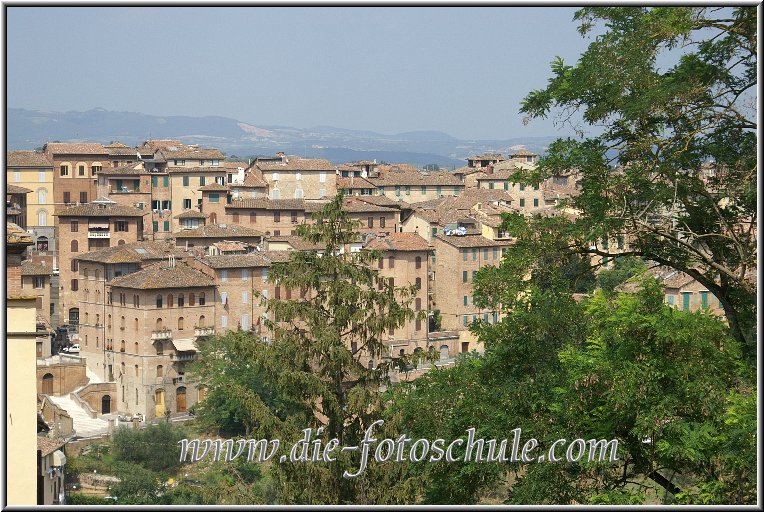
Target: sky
x: 462, y: 71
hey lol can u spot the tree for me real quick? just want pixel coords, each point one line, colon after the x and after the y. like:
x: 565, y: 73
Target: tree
x: 674, y: 169
x: 310, y: 373
x: 155, y: 447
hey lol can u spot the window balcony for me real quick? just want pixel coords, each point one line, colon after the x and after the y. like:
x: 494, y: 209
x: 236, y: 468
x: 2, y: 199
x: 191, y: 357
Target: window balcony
x: 99, y: 234
x: 204, y: 331
x: 165, y: 334
x: 182, y: 357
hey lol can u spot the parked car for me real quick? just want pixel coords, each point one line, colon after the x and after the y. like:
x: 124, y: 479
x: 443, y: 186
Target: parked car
x: 73, y: 349
x: 56, y: 271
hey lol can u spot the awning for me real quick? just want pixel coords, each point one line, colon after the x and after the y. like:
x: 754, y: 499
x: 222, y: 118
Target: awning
x: 98, y: 224
x: 59, y: 459
x: 184, y: 345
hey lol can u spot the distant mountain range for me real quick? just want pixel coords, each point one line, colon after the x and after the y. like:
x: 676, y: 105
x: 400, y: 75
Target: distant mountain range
x: 29, y: 129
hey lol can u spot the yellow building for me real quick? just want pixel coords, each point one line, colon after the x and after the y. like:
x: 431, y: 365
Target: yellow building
x: 33, y: 170
x: 20, y: 379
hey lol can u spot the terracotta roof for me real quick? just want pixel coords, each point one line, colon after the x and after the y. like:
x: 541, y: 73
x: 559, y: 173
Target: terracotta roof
x: 399, y: 242
x: 116, y: 144
x: 269, y: 204
x: 13, y: 189
x: 231, y: 246
x: 161, y: 143
x: 233, y: 165
x: 218, y: 231
x: 353, y: 205
x: 100, y: 210
x: 128, y: 151
x: 497, y: 174
x: 135, y: 252
x: 15, y: 235
x: 48, y: 445
x: 26, y: 159
x: 187, y: 153
x: 76, y: 148
x: 295, y: 163
x: 29, y: 268
x: 487, y: 156
x: 161, y: 276
x: 214, y: 187
x: 472, y: 241
x: 254, y: 259
x: 522, y: 152
x: 299, y: 243
x: 384, y: 201
x: 397, y: 168
x: 252, y: 179
x: 125, y: 170
x: 191, y: 214
x: 403, y: 178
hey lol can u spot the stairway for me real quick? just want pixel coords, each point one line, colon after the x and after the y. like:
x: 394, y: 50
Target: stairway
x: 84, y: 425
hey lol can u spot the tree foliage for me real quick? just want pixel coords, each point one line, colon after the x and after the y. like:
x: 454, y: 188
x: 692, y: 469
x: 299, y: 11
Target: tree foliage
x: 674, y: 168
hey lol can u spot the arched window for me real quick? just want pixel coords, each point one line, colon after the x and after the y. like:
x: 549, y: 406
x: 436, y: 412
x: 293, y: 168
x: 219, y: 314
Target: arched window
x: 122, y: 323
x: 121, y: 242
x: 201, y: 321
x: 98, y: 320
x: 169, y: 300
x: 160, y: 349
x: 136, y: 370
x: 87, y: 295
x: 106, y: 404
x: 213, y: 218
x: 181, y: 300
x: 418, y: 262
x: 135, y: 324
x: 180, y: 399
x: 86, y: 318
x: 181, y: 323
x: 42, y: 243
x: 159, y: 301
x: 122, y: 346
x: 122, y: 368
x: 42, y: 217
x: 47, y: 384
x: 75, y: 246
x: 160, y: 371
x: 158, y: 324
x: 418, y: 283
x: 371, y: 364
x: 75, y: 265
x: 135, y: 347
x: 191, y: 299
x: 108, y: 321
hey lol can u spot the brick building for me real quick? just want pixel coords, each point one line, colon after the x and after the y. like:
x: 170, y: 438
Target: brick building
x: 75, y: 170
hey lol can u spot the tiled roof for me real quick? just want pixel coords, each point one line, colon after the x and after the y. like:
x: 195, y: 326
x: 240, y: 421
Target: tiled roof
x: 218, y: 231
x: 161, y: 276
x: 294, y: 163
x: 135, y: 252
x: 128, y: 151
x: 100, y: 210
x: 487, y: 156
x: 254, y: 259
x: 472, y: 241
x: 231, y: 246
x: 393, y: 178
x: 161, y: 143
x: 234, y: 165
x: 252, y: 179
x: 522, y: 152
x: 48, y: 445
x: 497, y: 174
x: 269, y: 204
x: 354, y: 205
x: 191, y: 214
x: 116, y: 144
x: 13, y: 189
x: 383, y: 168
x: 29, y: 268
x: 384, y: 201
x: 399, y: 242
x: 188, y: 153
x: 14, y: 234
x: 214, y: 187
x: 78, y: 148
x: 125, y: 170
x: 26, y: 159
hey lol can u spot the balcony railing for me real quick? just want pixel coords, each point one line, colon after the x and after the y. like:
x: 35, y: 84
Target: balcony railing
x: 203, y: 331
x: 99, y: 234
x: 182, y: 357
x: 165, y: 334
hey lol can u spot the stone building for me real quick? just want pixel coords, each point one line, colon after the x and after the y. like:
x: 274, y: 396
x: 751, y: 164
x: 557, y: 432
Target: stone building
x: 293, y: 177
x: 75, y: 171
x: 415, y: 186
x: 34, y: 171
x: 35, y: 281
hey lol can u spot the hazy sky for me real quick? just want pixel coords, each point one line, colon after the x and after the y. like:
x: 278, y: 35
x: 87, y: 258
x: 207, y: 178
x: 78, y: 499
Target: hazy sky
x: 463, y: 71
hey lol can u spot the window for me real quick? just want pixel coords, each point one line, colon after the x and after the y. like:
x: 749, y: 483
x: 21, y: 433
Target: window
x: 434, y: 231
x: 439, y: 190
x: 75, y: 285
x: 64, y: 170
x: 265, y: 274
x: 464, y: 276
x: 322, y: 192
x: 42, y: 196
x: 160, y: 369
x: 166, y: 225
x: 166, y: 181
x: 224, y: 275
x: 506, y: 185
x: 75, y: 265
x: 202, y: 181
x: 223, y: 321
x: 155, y: 226
x: 536, y: 186
x: 75, y: 246
x: 485, y: 253
x: 41, y: 176
x: 535, y: 202
x: 522, y: 202
x: 423, y: 190
x: 38, y: 282
x: 244, y: 297
x: 704, y: 299
x: 159, y: 301
x: 495, y: 253
x: 322, y: 177
x: 490, y: 185
x: 169, y: 300
x: 201, y: 299
x: 418, y: 324
x: 670, y: 300
x: 294, y: 217
x: 42, y: 219
x: 181, y: 323
x: 418, y: 262
x: 83, y: 197
x: 474, y: 254
x: 214, y: 198
x: 75, y: 226
x: 418, y: 304
x: 391, y: 261
x: 370, y: 222
x: 408, y: 190
x: 381, y: 222
x: 244, y: 274
x: 418, y: 283
x: 522, y: 187
x: 276, y: 216
x: 95, y: 169
x: 398, y: 190
x: 67, y: 197
x: 81, y: 170
x: 465, y: 300
x: 120, y: 225
x: 166, y: 205
x: 155, y: 181
x: 245, y: 322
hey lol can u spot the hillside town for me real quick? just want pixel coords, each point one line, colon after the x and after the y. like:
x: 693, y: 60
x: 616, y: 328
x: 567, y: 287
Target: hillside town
x: 123, y: 260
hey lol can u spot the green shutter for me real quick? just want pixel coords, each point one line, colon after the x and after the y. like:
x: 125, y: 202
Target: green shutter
x: 167, y: 225
x: 704, y: 299
x: 166, y: 181
x: 154, y: 181
x: 685, y: 301
x: 464, y: 276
